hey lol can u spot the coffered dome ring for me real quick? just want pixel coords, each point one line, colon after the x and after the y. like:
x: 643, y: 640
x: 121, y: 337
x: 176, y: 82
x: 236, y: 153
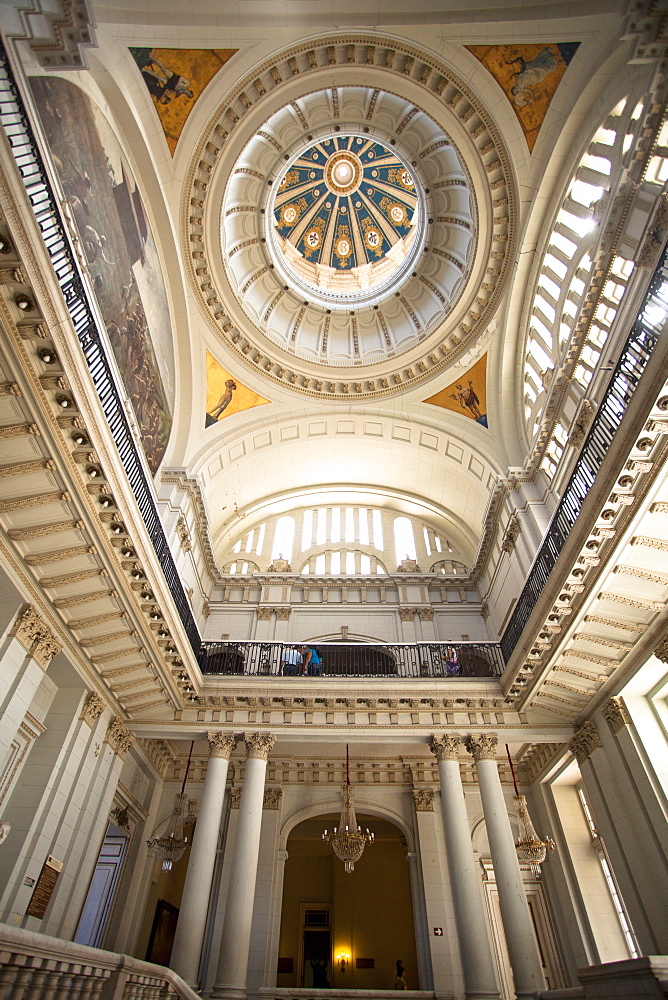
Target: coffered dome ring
x: 453, y: 149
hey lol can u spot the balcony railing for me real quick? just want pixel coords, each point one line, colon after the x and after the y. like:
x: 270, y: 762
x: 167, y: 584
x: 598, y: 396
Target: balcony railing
x: 428, y: 660
x: 32, y: 170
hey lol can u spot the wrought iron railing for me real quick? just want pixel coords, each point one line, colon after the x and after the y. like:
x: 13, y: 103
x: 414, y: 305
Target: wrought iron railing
x: 627, y: 373
x: 31, y: 167
x: 424, y: 659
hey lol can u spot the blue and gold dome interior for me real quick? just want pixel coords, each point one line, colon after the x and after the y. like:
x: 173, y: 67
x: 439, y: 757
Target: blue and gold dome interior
x: 347, y: 207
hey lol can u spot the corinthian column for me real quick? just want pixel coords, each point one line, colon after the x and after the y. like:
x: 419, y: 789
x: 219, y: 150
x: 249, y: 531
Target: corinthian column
x: 517, y: 923
x: 235, y: 941
x: 474, y: 944
x: 190, y: 928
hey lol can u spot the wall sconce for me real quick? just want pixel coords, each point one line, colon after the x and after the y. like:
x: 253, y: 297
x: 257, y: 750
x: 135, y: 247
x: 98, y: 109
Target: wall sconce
x: 343, y: 960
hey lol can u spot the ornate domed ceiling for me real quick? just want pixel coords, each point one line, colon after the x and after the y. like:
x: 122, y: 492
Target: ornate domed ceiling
x: 347, y: 220
x: 358, y: 234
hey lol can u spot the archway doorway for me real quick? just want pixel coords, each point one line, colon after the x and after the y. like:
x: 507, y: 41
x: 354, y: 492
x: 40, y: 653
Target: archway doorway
x: 367, y: 914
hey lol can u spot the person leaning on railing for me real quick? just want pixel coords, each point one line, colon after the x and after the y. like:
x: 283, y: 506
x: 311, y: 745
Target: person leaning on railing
x: 312, y: 661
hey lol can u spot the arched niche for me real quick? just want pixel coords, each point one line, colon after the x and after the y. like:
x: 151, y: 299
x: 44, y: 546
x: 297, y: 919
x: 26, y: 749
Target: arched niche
x: 367, y: 914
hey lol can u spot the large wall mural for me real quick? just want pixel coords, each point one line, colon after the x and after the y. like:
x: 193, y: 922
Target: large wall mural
x: 529, y: 76
x: 175, y: 78
x: 468, y: 395
x: 225, y: 395
x: 120, y: 252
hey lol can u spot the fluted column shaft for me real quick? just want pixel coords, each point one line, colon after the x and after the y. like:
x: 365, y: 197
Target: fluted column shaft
x: 517, y: 923
x: 191, y: 925
x: 476, y: 953
x: 235, y: 941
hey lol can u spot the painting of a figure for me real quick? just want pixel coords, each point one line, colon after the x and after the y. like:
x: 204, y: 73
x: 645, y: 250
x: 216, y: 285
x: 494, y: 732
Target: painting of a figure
x: 225, y: 395
x: 175, y: 78
x: 468, y: 395
x: 120, y: 252
x: 529, y: 76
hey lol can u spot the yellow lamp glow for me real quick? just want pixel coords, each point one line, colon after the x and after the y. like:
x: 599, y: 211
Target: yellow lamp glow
x: 343, y: 959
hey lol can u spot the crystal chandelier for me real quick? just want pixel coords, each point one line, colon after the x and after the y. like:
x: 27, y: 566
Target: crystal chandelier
x: 530, y: 848
x: 347, y: 840
x: 170, y: 848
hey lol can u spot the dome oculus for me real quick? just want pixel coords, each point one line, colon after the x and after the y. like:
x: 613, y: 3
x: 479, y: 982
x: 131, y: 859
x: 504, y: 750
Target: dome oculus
x: 347, y: 217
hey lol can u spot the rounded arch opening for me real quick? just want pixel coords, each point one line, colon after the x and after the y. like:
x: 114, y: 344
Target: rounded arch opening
x: 326, y: 912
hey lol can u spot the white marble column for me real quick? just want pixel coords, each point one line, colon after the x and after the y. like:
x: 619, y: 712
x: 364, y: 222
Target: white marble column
x: 517, y: 923
x: 191, y: 925
x: 476, y: 952
x: 235, y: 941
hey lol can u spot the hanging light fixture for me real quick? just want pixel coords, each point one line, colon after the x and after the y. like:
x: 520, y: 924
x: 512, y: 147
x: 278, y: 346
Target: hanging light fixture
x: 170, y: 848
x: 347, y: 840
x: 530, y: 848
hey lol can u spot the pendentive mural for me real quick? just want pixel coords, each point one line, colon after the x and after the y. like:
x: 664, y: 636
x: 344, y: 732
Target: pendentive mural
x: 225, y: 395
x: 120, y: 252
x: 529, y: 76
x: 468, y: 395
x: 175, y: 78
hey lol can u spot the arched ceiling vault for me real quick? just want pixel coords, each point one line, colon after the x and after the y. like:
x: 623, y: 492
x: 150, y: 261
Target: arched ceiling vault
x: 277, y: 455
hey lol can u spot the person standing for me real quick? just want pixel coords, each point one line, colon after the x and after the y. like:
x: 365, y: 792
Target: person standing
x: 400, y: 978
x: 292, y: 661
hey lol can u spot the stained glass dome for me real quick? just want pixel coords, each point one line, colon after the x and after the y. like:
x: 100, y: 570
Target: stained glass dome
x: 347, y: 219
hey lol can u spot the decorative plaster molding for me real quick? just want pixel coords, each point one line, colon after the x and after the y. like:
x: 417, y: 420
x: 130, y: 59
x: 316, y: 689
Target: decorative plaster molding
x: 615, y: 713
x: 445, y: 747
x: 425, y: 614
x: 35, y: 636
x: 258, y: 745
x: 581, y: 424
x: 235, y: 797
x: 221, y: 744
x: 482, y: 747
x: 272, y: 798
x: 119, y: 738
x: 511, y: 534
x: 93, y: 709
x: 283, y: 614
x: 407, y: 614
x: 58, y: 32
x: 585, y: 741
x: 423, y: 799
x: 184, y: 534
x: 661, y: 651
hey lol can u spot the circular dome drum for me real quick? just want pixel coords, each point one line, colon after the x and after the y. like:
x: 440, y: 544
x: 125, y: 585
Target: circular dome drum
x: 385, y: 294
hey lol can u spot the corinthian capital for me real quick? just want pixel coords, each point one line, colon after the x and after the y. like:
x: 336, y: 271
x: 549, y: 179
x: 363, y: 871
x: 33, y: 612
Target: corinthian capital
x: 482, y: 747
x: 585, y: 740
x: 221, y: 744
x: 258, y: 745
x: 445, y: 747
x: 119, y: 737
x: 35, y: 636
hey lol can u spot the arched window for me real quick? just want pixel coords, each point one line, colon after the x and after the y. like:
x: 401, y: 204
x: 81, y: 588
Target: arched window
x: 404, y: 539
x: 284, y: 535
x: 566, y: 271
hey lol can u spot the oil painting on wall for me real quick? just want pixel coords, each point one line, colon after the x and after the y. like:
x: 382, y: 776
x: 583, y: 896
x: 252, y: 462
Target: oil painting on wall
x: 468, y: 395
x: 175, y: 78
x: 529, y: 76
x: 225, y: 395
x: 120, y: 252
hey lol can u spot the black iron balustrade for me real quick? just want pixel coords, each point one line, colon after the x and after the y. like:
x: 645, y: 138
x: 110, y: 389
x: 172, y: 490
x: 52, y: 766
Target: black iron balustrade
x: 428, y: 660
x: 25, y: 150
x: 637, y: 351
